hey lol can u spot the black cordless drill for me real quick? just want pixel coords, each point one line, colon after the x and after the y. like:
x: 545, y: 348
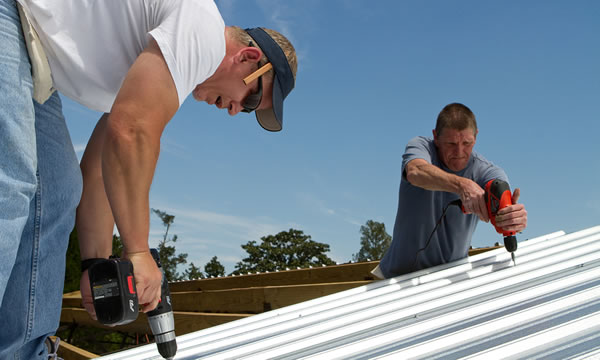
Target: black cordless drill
x: 116, y: 302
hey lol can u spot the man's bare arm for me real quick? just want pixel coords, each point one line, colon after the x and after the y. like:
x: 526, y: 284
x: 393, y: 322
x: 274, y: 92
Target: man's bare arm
x: 146, y: 102
x: 129, y: 144
x: 95, y: 222
x: 421, y: 173
x: 144, y: 105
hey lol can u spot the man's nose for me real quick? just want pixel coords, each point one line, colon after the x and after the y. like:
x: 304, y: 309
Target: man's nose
x: 234, y: 108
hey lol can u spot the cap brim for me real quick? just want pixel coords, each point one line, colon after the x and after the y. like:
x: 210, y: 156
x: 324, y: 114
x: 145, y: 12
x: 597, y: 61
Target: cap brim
x: 272, y: 119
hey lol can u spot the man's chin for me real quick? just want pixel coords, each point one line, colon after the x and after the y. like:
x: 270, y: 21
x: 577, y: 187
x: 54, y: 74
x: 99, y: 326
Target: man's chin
x: 196, y: 97
x: 456, y: 167
x: 196, y: 94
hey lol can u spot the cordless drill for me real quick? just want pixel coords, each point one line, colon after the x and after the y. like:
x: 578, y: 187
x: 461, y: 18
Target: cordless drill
x: 161, y: 319
x: 498, y: 196
x: 116, y: 302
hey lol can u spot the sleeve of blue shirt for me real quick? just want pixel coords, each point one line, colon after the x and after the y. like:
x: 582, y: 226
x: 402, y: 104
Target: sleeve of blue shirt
x: 418, y: 148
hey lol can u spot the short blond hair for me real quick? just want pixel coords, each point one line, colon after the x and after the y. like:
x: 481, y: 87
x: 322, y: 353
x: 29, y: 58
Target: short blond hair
x: 242, y: 37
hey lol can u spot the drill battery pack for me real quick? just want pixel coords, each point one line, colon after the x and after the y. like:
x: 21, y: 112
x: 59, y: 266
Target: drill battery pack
x: 113, y: 291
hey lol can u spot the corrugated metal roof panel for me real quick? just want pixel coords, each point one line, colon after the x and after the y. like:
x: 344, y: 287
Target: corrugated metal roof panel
x: 482, y: 307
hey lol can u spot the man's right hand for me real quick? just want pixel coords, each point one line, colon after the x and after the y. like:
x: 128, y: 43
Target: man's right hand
x: 424, y: 175
x: 148, y: 279
x: 473, y: 199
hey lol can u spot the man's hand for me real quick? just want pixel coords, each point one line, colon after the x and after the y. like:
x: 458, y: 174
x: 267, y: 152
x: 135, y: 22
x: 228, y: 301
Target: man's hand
x: 148, y: 279
x: 473, y: 199
x: 513, y: 217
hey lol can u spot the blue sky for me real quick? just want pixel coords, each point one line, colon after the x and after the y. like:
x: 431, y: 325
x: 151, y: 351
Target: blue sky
x: 372, y: 75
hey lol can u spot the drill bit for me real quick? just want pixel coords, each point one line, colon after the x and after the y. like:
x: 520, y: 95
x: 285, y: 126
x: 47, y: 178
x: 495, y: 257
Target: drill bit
x: 512, y: 255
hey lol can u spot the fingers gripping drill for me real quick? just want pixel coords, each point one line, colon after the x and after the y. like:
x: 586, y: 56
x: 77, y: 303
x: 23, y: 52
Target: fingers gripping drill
x: 498, y: 196
x: 116, y: 302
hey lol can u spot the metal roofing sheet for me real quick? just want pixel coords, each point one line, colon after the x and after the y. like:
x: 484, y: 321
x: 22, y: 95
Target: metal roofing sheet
x: 482, y: 307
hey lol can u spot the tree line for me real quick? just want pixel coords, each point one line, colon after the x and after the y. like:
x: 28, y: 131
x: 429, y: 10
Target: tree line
x: 287, y: 249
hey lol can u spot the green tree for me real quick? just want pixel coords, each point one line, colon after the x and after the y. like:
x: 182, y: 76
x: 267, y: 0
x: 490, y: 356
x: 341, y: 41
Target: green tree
x: 374, y: 241
x: 192, y: 273
x: 117, y: 246
x: 168, y: 259
x: 214, y: 268
x: 73, y: 264
x: 287, y: 249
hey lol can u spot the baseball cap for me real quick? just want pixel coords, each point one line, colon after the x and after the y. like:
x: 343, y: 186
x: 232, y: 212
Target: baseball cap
x: 283, y: 79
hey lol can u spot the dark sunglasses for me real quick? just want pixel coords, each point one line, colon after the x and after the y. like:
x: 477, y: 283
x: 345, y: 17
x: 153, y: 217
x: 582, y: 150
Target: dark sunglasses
x: 252, y: 101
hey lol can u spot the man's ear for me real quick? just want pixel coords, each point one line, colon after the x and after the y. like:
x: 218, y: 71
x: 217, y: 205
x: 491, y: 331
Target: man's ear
x: 249, y: 53
x: 434, y: 135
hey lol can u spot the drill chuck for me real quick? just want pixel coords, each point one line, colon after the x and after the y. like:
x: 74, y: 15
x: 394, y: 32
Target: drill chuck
x: 510, y: 243
x: 163, y: 328
x: 161, y: 319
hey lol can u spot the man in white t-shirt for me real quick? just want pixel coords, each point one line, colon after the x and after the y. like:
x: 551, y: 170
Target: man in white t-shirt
x: 136, y: 61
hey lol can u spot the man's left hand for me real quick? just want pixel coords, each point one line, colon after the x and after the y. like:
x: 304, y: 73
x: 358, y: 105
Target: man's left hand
x: 513, y: 217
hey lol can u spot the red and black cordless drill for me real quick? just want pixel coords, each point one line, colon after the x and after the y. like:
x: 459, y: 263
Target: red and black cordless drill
x: 498, y: 196
x: 116, y: 302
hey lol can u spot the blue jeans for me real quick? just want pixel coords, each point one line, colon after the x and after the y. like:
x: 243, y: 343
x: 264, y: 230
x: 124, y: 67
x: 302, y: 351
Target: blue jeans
x: 40, y: 187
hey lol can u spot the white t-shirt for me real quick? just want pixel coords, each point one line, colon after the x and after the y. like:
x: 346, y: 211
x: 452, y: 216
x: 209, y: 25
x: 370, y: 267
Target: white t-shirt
x: 91, y: 44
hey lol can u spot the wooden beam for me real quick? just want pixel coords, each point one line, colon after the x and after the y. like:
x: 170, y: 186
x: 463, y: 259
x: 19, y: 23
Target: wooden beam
x: 72, y: 300
x: 327, y: 274
x: 255, y: 300
x: 480, y: 250
x: 75, y: 293
x: 185, y: 322
x: 315, y: 275
x: 245, y: 300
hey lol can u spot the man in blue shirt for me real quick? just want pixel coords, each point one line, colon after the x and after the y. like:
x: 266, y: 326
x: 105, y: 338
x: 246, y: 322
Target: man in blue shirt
x: 436, y: 172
